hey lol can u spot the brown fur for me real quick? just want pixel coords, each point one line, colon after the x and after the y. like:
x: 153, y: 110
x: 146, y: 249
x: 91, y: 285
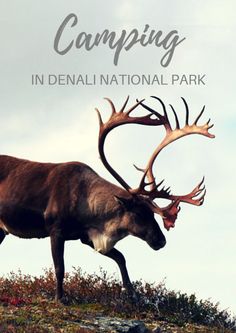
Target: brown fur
x: 71, y: 201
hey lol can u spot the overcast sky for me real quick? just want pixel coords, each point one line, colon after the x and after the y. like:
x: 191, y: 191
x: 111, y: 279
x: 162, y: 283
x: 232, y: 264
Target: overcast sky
x: 58, y: 123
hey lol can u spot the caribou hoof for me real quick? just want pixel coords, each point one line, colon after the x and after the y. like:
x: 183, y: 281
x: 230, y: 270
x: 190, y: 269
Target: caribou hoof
x: 130, y: 293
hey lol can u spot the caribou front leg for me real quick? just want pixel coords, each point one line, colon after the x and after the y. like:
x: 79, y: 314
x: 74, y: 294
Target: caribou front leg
x: 57, y: 247
x: 118, y: 257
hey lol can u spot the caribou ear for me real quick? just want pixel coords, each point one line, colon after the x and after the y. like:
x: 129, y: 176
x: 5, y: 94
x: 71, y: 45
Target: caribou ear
x: 124, y: 202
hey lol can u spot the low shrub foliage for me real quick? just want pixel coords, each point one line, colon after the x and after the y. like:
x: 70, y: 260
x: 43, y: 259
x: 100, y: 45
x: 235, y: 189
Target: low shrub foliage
x: 103, y: 293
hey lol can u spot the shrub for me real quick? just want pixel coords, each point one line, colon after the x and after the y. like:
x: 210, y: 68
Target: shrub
x: 103, y: 293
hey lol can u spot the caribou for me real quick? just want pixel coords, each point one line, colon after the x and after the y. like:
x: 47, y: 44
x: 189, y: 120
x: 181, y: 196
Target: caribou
x: 68, y: 201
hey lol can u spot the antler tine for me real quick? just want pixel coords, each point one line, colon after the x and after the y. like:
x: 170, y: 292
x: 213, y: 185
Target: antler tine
x: 139, y: 169
x: 143, y: 184
x: 113, y: 109
x: 176, y: 117
x: 154, y: 112
x: 191, y: 197
x: 205, y: 127
x: 134, y: 106
x: 154, y: 193
x: 99, y: 117
x: 200, y: 114
x: 201, y: 182
x: 187, y: 111
x: 123, y: 117
x: 202, y: 198
x: 167, y: 122
x: 163, y: 193
x: 124, y: 105
x: 209, y: 127
x: 162, y: 104
x: 161, y: 182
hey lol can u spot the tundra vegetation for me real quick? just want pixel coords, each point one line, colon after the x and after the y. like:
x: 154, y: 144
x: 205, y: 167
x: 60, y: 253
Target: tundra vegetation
x: 27, y: 305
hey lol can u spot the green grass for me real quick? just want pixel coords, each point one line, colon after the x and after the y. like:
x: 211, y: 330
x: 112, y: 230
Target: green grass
x: 27, y: 305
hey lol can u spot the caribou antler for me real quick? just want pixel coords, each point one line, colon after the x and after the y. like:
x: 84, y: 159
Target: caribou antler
x: 171, y: 136
x: 116, y: 119
x: 152, y: 190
